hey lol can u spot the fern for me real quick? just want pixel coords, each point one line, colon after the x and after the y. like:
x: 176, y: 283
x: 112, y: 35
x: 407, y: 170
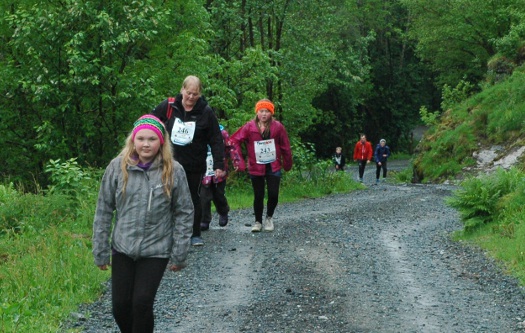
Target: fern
x: 478, y: 201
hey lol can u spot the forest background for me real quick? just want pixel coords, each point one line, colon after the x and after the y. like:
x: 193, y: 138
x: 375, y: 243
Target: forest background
x: 75, y: 74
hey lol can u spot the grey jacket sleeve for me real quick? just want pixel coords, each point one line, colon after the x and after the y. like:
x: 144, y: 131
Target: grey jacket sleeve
x: 104, y: 215
x: 182, y: 217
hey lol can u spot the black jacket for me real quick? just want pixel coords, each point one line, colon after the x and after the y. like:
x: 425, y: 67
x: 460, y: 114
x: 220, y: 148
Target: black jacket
x: 193, y: 155
x: 342, y: 162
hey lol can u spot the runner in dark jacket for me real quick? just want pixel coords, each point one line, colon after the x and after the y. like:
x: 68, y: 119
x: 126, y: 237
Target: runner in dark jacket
x: 382, y: 153
x: 192, y: 126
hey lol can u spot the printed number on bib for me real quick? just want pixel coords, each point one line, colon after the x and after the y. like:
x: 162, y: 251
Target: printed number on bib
x: 182, y: 133
x: 265, y: 151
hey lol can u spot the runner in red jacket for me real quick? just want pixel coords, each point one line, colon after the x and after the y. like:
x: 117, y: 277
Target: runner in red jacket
x: 363, y: 155
x: 268, y: 150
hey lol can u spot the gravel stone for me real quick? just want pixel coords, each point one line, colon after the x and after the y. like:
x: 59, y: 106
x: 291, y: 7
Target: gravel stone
x: 376, y: 260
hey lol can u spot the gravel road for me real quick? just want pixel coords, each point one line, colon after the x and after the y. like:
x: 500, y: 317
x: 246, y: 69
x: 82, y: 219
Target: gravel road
x: 376, y: 260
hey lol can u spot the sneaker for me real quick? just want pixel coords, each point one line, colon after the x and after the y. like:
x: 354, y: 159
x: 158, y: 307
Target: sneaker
x: 223, y: 220
x: 377, y: 181
x: 197, y: 241
x: 257, y: 227
x: 205, y: 226
x: 360, y: 180
x: 268, y: 224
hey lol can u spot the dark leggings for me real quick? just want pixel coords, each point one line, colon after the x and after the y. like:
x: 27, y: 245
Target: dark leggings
x: 362, y: 166
x: 194, y: 183
x: 134, y: 285
x: 214, y: 192
x: 378, y: 169
x: 272, y: 184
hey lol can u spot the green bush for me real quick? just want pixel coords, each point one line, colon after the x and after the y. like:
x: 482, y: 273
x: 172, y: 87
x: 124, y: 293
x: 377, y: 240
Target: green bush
x: 303, y: 155
x: 479, y: 200
x: 79, y: 185
x: 67, y: 177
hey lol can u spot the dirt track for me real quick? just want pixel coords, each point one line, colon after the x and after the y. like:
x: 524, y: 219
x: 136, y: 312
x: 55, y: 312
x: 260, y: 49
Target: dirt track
x: 377, y: 260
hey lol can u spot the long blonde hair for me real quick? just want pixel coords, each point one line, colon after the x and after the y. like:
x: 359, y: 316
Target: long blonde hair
x: 131, y: 158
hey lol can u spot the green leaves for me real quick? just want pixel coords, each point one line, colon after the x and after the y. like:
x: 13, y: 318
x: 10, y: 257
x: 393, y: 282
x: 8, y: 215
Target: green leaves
x: 77, y: 74
x: 66, y: 177
x: 479, y: 201
x: 458, y: 37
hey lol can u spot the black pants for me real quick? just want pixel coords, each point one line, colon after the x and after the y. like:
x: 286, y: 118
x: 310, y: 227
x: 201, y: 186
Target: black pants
x: 214, y: 192
x: 194, y: 183
x: 362, y: 166
x: 272, y: 184
x: 134, y: 285
x: 378, y: 169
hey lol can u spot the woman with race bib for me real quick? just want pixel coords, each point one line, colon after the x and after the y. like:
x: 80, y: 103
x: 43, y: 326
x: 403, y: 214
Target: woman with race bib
x: 268, y: 150
x: 192, y: 126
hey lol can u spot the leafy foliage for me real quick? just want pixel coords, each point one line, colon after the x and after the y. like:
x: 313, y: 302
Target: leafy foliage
x: 452, y: 96
x: 75, y: 85
x: 429, y: 118
x: 479, y: 199
x: 67, y: 178
x: 457, y: 38
x: 511, y: 44
x: 74, y: 70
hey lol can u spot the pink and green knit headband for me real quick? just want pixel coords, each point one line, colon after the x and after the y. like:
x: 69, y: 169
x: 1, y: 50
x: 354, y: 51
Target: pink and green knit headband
x: 149, y: 122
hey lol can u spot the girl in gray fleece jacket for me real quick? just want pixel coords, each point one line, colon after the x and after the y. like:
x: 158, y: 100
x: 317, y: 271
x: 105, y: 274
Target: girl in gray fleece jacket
x: 143, y: 222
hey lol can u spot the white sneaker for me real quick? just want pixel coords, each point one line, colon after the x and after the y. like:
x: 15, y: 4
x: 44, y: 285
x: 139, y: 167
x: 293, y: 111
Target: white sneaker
x: 268, y: 224
x: 257, y: 227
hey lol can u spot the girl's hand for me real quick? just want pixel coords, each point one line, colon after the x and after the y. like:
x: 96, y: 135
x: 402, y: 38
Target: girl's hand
x: 175, y: 268
x: 220, y: 173
x: 103, y: 267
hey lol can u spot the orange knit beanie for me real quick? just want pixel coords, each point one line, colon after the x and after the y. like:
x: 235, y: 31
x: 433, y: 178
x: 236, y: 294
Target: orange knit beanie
x: 264, y: 105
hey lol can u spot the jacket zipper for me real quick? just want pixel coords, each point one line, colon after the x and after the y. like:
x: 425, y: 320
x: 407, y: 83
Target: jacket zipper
x: 150, y: 191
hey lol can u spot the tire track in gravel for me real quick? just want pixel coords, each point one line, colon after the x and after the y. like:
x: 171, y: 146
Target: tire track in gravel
x: 316, y: 272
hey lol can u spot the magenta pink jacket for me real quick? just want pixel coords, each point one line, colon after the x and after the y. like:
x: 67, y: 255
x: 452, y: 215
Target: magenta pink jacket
x: 249, y: 133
